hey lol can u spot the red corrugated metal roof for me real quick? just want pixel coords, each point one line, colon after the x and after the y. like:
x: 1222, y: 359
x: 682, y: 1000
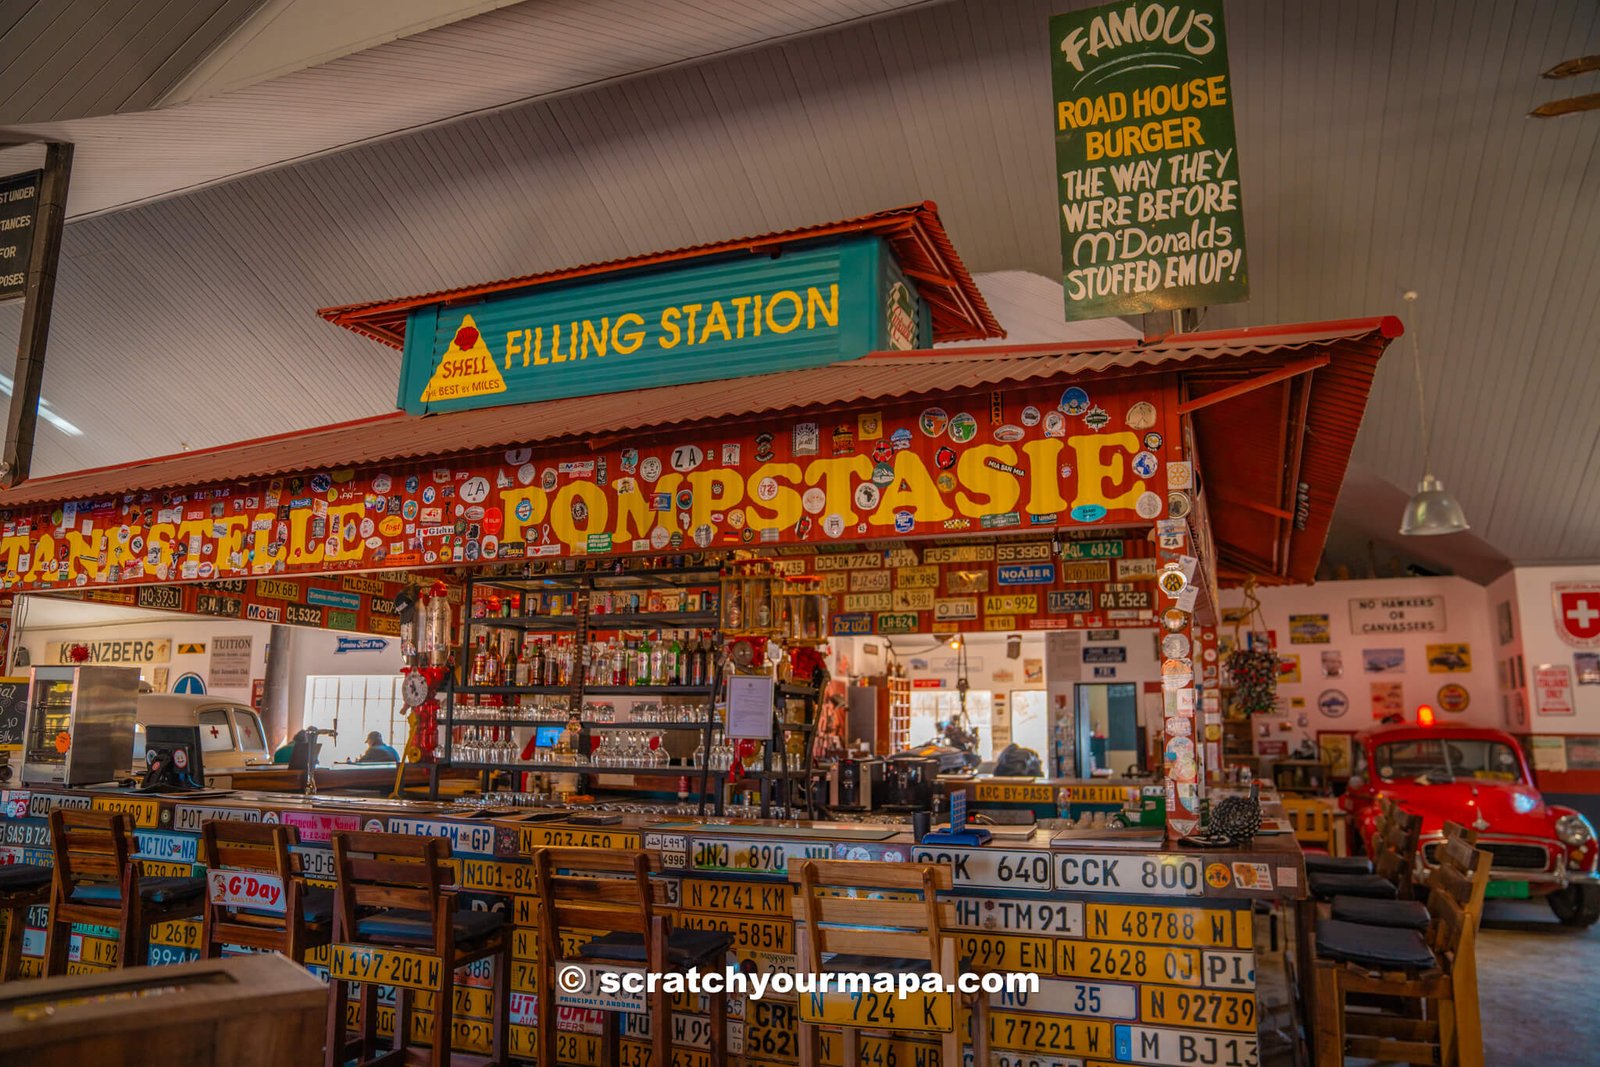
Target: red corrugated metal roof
x: 959, y: 311
x: 1230, y: 446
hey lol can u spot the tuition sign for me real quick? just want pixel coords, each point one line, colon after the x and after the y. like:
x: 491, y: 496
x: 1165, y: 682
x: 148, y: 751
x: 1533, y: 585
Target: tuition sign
x: 1147, y: 168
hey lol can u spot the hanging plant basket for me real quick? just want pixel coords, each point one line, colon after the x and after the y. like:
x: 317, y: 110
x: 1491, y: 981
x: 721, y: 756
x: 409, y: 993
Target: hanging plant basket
x: 1255, y: 680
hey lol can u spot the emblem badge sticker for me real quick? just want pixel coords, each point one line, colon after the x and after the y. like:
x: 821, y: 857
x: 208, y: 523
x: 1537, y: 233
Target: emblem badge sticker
x: 650, y: 468
x: 963, y: 428
x: 1029, y: 416
x: 1141, y: 416
x: 932, y: 421
x: 814, y: 500
x: 1148, y: 506
x: 1075, y: 401
x: 1577, y: 606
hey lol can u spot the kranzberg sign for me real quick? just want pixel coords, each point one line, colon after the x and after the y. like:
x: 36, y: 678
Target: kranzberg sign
x: 1397, y: 615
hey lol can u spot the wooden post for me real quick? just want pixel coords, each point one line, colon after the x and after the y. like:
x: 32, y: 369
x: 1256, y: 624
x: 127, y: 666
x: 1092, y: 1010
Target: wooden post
x: 28, y: 379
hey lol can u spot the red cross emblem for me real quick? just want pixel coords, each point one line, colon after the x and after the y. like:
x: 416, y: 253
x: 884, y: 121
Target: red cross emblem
x: 1578, y: 613
x: 215, y: 732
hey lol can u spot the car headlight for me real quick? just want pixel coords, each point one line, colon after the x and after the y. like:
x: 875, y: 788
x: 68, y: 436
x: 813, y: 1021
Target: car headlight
x: 1574, y: 830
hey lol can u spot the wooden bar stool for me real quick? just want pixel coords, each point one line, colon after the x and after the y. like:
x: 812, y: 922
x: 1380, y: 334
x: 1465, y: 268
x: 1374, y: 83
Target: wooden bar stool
x: 1435, y: 970
x: 394, y: 915
x: 888, y: 934
x: 610, y: 890
x: 97, y: 882
x: 256, y: 893
x: 1394, y: 867
x: 22, y: 886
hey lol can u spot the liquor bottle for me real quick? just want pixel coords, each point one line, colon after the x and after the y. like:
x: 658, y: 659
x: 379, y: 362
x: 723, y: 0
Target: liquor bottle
x: 491, y: 666
x: 524, y: 667
x: 537, y: 673
x: 509, y: 667
x: 479, y: 657
x: 675, y: 667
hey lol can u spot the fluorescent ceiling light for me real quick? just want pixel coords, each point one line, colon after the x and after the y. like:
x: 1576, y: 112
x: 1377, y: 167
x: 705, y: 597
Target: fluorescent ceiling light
x: 45, y: 413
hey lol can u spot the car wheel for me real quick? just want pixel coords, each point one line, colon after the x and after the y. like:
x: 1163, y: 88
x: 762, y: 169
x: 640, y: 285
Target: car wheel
x: 1576, y: 905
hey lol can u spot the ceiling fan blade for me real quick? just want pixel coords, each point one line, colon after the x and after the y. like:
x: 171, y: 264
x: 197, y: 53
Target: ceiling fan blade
x: 1570, y: 67
x: 1567, y: 106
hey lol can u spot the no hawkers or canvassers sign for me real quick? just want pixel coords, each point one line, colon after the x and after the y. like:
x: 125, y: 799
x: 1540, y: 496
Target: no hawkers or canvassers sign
x: 1043, y: 458
x: 1147, y: 166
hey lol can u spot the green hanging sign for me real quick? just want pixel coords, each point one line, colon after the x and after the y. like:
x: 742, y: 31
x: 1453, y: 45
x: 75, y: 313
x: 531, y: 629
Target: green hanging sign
x: 1147, y: 167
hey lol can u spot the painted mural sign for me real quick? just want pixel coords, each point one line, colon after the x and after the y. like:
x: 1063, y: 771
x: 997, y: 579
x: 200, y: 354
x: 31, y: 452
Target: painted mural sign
x: 699, y: 320
x: 1147, y: 168
x: 933, y: 472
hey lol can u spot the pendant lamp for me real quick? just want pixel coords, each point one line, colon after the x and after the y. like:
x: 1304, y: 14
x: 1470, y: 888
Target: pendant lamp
x: 1430, y: 511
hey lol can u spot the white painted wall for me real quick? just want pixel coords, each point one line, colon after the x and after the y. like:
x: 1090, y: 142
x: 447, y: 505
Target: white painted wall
x: 181, y: 629
x: 1467, y: 621
x: 314, y: 652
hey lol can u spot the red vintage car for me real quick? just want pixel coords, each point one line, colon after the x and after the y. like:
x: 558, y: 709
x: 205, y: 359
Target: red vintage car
x: 1479, y: 778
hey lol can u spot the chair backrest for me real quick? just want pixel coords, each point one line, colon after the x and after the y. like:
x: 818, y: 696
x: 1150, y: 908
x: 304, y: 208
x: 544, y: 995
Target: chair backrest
x: 401, y: 871
x: 604, y: 889
x: 1311, y: 819
x: 90, y: 847
x: 871, y: 908
x: 1456, y: 888
x: 1397, y: 849
x: 260, y: 849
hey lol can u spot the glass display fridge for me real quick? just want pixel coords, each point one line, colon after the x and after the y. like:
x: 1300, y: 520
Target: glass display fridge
x: 80, y: 725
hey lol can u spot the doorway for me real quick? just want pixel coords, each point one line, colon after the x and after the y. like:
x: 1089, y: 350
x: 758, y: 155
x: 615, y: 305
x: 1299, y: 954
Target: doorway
x: 1108, y: 730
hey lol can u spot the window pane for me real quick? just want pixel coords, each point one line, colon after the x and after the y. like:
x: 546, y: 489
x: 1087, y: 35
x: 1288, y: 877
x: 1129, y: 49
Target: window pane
x: 215, y: 733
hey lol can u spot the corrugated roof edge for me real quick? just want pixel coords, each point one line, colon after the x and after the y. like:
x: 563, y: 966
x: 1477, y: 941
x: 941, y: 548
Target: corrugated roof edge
x: 916, y: 232
x: 356, y: 440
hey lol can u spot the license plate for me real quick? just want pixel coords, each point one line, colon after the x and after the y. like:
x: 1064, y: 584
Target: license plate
x: 1168, y: 876
x: 179, y: 933
x: 754, y: 898
x: 363, y: 963
x: 1507, y: 890
x: 532, y: 837
x: 476, y: 839
x: 1209, y: 927
x: 1009, y: 793
x: 1061, y: 996
x: 1184, y: 1048
x: 1034, y: 1033
x: 881, y: 1051
x: 689, y: 1031
x: 881, y: 1011
x: 93, y: 950
x: 1003, y: 952
x: 1133, y: 963
x: 1018, y: 1059
x: 639, y: 1054
x: 589, y: 994
x: 146, y: 813
x: 1207, y: 1008
x: 1228, y: 970
x: 765, y: 935
x: 493, y: 877
x: 189, y: 817
x: 1019, y: 916
x: 580, y: 1049
x: 736, y: 854
x: 467, y: 1001
x: 992, y: 868
x: 163, y: 869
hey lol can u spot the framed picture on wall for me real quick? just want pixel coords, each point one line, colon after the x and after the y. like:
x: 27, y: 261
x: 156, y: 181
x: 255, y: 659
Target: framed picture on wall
x: 1337, y: 749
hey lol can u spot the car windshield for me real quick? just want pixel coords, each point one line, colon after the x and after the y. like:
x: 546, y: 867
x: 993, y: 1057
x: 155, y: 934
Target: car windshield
x: 1445, y: 759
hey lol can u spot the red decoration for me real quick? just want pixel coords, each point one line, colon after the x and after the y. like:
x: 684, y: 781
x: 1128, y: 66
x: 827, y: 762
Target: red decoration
x: 78, y: 653
x: 466, y: 337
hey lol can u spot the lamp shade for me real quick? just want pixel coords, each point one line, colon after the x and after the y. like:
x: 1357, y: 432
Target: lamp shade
x: 1432, y: 511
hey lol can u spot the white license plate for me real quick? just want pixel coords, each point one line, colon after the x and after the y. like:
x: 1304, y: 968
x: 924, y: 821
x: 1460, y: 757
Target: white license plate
x: 750, y: 854
x: 1019, y: 916
x: 1159, y: 875
x: 993, y: 868
x: 1228, y: 970
x: 1061, y: 996
x: 1161, y: 1047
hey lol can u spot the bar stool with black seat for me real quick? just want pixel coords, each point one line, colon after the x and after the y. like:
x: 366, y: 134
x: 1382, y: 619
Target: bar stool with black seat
x: 1409, y: 913
x: 96, y: 881
x: 1434, y: 970
x: 257, y: 896
x: 877, y: 917
x: 22, y: 886
x: 1316, y: 863
x: 392, y: 897
x: 1393, y: 869
x: 610, y: 890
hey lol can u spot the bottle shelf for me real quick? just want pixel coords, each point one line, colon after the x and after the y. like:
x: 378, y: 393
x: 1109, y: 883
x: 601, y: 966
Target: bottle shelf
x: 515, y: 690
x: 647, y: 690
x: 588, y: 725
x: 582, y: 768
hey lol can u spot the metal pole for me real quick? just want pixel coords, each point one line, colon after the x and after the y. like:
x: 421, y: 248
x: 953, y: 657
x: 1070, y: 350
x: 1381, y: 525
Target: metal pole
x: 37, y: 304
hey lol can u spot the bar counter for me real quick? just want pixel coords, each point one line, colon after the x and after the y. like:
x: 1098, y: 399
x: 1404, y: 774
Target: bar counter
x: 1146, y: 957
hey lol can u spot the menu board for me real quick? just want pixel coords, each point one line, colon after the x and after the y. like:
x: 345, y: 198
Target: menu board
x: 13, y: 711
x: 1147, y: 170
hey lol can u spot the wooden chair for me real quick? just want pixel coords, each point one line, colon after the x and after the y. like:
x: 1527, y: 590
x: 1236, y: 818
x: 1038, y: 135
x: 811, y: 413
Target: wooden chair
x: 96, y: 881
x: 1313, y: 821
x: 1398, y: 838
x: 257, y: 896
x: 22, y: 886
x: 1435, y: 970
x: 392, y: 895
x: 899, y: 931
x: 610, y: 890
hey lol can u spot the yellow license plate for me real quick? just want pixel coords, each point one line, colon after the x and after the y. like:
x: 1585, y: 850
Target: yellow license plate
x: 1211, y: 927
x: 771, y: 1043
x: 1003, y: 952
x: 532, y: 837
x: 167, y: 869
x: 30, y: 967
x: 146, y: 813
x: 1100, y: 794
x: 524, y: 911
x: 79, y: 967
x: 881, y: 1011
x: 580, y: 1049
x: 1208, y: 1008
x: 179, y: 933
x: 321, y: 954
x: 761, y: 935
x: 753, y: 898
x: 1129, y: 963
x: 466, y: 1035
x: 97, y: 950
x: 640, y: 1054
x: 492, y: 876
x: 524, y: 976
x: 470, y: 1001
x: 386, y: 966
x: 1013, y: 793
x: 881, y: 1051
x: 1046, y: 1033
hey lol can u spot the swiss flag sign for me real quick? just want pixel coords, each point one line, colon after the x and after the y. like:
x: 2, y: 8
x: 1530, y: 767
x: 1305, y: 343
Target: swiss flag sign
x: 1578, y: 613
